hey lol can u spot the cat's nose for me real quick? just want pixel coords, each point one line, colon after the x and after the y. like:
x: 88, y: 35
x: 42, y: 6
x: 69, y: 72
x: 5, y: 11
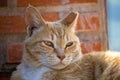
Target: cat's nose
x: 61, y: 57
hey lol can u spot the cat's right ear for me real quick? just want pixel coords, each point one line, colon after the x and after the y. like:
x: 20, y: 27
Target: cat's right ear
x: 71, y: 21
x: 33, y: 20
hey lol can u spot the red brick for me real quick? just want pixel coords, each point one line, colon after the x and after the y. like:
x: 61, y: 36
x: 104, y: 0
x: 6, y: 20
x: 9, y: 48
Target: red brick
x: 83, y: 1
x: 90, y: 46
x: 23, y: 3
x: 12, y: 24
x: 50, y: 16
x: 88, y: 22
x: 3, y: 3
x: 14, y: 53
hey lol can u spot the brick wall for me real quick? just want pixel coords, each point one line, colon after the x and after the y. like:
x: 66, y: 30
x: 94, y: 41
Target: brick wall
x: 91, y: 25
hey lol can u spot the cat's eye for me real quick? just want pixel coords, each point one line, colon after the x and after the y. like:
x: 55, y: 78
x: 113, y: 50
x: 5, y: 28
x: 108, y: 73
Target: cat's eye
x: 69, y: 44
x: 48, y: 43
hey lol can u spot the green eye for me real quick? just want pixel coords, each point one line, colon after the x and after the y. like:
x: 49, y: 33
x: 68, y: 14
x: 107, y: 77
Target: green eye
x: 48, y: 43
x: 69, y: 44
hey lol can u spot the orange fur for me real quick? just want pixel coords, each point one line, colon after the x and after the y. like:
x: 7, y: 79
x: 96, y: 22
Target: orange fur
x: 52, y: 52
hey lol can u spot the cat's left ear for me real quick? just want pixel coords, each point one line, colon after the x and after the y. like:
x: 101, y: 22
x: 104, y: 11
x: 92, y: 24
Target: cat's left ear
x: 71, y: 20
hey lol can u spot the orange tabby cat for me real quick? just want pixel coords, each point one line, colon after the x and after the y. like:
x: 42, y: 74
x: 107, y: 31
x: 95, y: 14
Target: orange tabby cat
x: 52, y: 52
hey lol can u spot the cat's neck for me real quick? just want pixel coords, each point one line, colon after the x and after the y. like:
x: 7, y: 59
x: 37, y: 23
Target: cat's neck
x: 30, y: 73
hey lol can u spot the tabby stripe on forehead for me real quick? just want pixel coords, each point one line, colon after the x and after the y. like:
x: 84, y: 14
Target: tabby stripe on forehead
x: 52, y: 36
x: 56, y: 31
x: 64, y: 35
x: 53, y: 33
x: 66, y: 38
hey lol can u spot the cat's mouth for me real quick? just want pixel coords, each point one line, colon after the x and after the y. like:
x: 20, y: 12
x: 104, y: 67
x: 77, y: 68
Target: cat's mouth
x: 60, y: 63
x: 56, y: 63
x: 59, y: 66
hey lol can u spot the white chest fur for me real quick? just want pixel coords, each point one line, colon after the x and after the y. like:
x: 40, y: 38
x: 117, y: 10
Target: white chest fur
x: 34, y: 74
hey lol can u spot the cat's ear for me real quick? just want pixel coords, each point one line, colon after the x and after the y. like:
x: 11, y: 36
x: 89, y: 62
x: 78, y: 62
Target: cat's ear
x: 33, y: 20
x: 71, y: 20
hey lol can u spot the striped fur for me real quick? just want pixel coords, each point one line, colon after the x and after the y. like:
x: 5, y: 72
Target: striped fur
x: 52, y: 52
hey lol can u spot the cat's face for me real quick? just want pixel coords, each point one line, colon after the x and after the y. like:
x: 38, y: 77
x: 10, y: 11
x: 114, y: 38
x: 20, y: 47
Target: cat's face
x: 52, y: 44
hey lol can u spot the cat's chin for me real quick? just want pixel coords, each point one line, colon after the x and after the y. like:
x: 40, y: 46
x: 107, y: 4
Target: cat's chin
x: 59, y: 66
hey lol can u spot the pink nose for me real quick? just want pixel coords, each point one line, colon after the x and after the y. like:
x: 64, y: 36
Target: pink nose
x: 61, y: 57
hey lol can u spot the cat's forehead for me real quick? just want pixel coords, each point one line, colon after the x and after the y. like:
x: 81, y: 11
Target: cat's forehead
x: 55, y: 27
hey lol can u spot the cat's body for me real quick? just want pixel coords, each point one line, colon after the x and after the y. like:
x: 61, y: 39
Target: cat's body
x: 52, y: 52
x: 93, y: 66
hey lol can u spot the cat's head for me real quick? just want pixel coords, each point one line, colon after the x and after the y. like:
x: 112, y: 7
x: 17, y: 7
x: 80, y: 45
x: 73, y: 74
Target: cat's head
x: 52, y: 44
